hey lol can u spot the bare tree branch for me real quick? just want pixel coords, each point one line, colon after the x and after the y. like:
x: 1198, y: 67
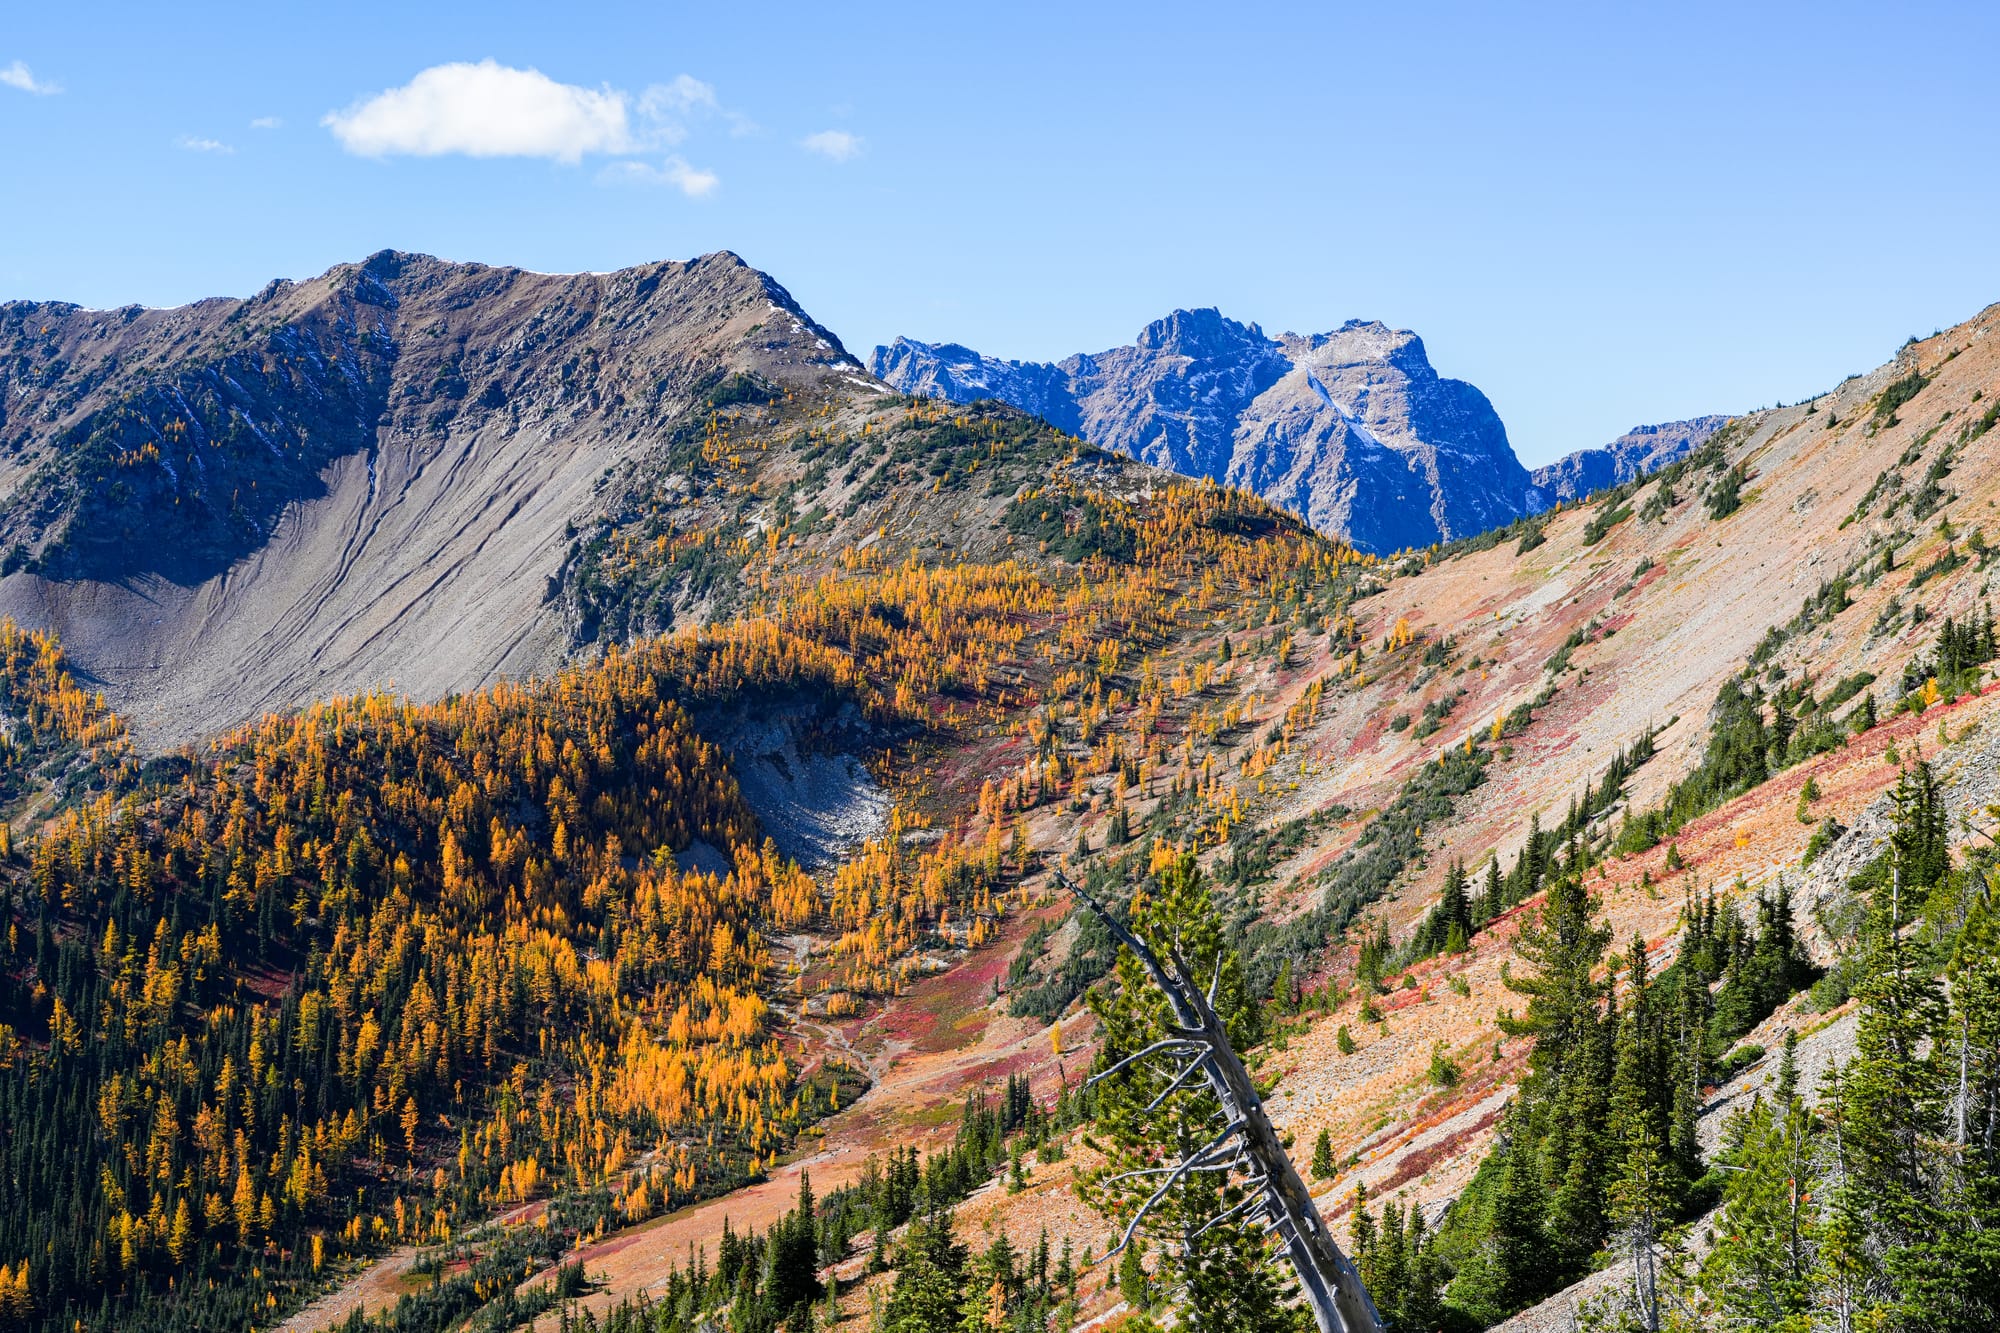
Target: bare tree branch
x: 1173, y: 1087
x: 1332, y: 1287
x: 1170, y: 1044
x: 1186, y: 1165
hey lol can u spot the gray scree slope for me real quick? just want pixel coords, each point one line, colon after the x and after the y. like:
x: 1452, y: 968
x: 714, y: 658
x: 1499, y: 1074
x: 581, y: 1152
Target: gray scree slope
x: 363, y: 480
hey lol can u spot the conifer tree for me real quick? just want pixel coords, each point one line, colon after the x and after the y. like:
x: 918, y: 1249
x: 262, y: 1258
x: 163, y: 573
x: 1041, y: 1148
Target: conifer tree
x: 931, y: 1271
x: 1491, y: 903
x: 1449, y: 925
x: 1158, y: 1126
x: 993, y: 1289
x: 1787, y: 1086
x: 1761, y: 1270
x: 794, y: 1255
x: 1644, y: 1188
x: 1513, y: 1266
x: 1134, y: 1283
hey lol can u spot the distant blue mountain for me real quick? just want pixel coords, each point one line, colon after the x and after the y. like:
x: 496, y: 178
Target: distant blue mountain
x: 1352, y: 430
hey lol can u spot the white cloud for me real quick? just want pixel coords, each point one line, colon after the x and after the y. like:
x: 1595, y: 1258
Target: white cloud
x: 684, y: 96
x: 666, y: 109
x: 197, y: 145
x: 266, y: 123
x: 492, y: 110
x: 486, y: 110
x: 694, y: 182
x: 18, y: 75
x: 838, y: 145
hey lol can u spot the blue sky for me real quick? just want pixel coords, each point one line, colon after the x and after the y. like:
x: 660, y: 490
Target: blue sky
x: 1601, y: 215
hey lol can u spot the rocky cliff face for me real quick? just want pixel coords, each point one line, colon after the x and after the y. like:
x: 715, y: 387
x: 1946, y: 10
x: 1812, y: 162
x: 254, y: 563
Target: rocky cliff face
x: 1353, y: 430
x: 372, y: 478
x: 1638, y: 451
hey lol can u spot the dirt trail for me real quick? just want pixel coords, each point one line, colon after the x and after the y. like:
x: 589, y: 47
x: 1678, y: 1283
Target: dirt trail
x: 375, y: 1288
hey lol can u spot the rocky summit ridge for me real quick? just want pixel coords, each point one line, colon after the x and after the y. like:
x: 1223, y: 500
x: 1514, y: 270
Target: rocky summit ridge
x: 379, y: 477
x: 1353, y: 430
x: 1636, y: 453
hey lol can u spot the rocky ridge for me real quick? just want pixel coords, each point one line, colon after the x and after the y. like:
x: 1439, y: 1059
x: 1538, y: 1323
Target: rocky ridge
x: 1352, y: 430
x: 1638, y: 451
x: 372, y: 479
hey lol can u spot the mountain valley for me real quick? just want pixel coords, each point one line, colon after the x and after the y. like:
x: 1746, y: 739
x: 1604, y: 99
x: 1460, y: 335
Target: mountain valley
x: 507, y: 773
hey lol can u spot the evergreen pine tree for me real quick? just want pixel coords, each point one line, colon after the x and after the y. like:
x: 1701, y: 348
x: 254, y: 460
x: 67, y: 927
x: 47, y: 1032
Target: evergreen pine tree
x: 930, y: 1278
x: 993, y: 1289
x: 1644, y: 1186
x: 1760, y: 1272
x: 1452, y: 917
x: 1788, y: 1069
x: 1847, y: 1272
x: 1219, y: 1256
x: 1578, y: 1154
x: 1491, y: 902
x: 1322, y: 1159
x: 1134, y: 1284
x: 1542, y: 1205
x: 793, y: 1247
x: 1521, y: 1270
x: 1423, y: 1304
x: 1227, y: 1286
x: 1387, y: 1275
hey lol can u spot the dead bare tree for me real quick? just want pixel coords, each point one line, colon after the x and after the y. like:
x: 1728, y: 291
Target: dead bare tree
x: 1245, y: 1141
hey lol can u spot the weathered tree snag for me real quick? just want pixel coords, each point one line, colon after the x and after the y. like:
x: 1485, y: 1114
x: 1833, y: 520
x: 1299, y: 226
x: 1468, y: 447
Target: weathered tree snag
x: 1332, y: 1287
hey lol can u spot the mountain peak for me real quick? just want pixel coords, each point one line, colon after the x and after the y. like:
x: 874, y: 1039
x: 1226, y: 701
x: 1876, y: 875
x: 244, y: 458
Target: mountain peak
x: 1638, y: 451
x: 343, y: 416
x: 1206, y: 331
x: 1360, y: 341
x: 1352, y: 429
